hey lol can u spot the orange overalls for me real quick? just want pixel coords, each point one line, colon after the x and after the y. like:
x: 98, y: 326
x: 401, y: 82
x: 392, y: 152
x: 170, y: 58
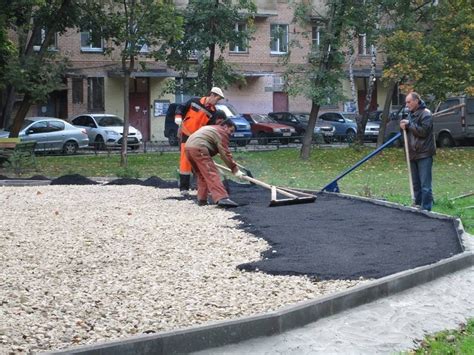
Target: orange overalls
x: 196, y: 115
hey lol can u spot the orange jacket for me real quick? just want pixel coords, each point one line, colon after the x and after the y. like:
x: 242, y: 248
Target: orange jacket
x: 196, y: 115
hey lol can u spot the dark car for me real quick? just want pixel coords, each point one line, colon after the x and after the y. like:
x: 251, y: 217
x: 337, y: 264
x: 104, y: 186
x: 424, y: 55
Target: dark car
x: 241, y: 136
x: 345, y: 127
x: 171, y: 128
x: 243, y: 133
x: 265, y: 129
x: 299, y: 121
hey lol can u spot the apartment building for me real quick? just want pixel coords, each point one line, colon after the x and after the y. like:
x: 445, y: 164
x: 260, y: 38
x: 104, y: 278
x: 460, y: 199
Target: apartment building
x: 95, y: 82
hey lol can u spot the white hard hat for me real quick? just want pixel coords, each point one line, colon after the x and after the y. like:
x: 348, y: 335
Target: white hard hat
x: 217, y: 91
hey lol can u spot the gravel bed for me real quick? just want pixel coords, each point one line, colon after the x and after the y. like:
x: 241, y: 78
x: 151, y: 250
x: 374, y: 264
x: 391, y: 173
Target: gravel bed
x: 83, y: 264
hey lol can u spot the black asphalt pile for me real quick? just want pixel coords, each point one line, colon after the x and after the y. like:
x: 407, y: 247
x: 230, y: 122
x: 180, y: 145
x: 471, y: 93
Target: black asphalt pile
x: 155, y: 181
x: 335, y: 237
x: 342, y: 238
x: 35, y: 177
x: 73, y: 179
x: 125, y: 181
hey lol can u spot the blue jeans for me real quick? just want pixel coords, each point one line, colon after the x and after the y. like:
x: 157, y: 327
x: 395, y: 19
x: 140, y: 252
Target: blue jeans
x: 421, y: 174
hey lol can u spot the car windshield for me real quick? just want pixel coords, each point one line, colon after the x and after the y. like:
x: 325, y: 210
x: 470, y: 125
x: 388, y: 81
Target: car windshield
x: 107, y: 121
x: 349, y: 116
x: 262, y: 119
x: 303, y: 117
x: 229, y: 110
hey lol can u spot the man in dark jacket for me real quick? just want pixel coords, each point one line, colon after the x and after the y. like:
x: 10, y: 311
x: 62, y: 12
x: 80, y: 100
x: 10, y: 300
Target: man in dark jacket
x: 200, y: 147
x: 421, y: 148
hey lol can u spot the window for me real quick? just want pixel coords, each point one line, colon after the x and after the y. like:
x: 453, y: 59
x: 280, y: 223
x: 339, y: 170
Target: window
x: 316, y: 36
x: 398, y: 99
x: 362, y: 44
x: 279, y: 39
x: 77, y: 91
x: 39, y: 38
x: 91, y: 42
x: 95, y: 94
x: 85, y: 121
x: 239, y: 47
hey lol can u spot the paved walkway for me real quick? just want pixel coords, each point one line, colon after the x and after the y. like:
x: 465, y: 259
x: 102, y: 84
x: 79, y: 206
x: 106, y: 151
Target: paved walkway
x: 385, y: 326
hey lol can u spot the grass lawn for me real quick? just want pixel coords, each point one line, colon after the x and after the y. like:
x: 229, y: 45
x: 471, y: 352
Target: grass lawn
x: 459, y: 341
x: 383, y: 177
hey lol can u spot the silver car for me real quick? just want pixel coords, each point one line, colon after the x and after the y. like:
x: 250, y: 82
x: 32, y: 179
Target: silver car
x: 51, y: 134
x: 106, y: 130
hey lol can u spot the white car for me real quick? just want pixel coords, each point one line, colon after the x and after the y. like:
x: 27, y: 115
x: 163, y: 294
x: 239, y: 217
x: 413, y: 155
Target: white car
x: 105, y: 130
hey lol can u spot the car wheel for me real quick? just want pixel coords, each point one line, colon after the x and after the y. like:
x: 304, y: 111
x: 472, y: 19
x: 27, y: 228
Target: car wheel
x: 99, y: 143
x: 350, y: 136
x: 173, y: 138
x: 445, y: 140
x: 70, y: 147
x: 262, y: 138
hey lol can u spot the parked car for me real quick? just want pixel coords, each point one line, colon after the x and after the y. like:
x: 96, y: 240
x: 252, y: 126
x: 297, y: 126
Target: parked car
x: 372, y: 127
x: 243, y: 133
x: 171, y: 128
x: 455, y: 126
x: 105, y: 130
x: 393, y: 126
x: 300, y: 120
x: 345, y: 127
x: 51, y: 134
x: 265, y: 129
x: 451, y: 127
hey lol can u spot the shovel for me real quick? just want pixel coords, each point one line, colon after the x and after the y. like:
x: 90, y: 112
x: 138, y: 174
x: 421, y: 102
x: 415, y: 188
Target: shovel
x: 293, y: 197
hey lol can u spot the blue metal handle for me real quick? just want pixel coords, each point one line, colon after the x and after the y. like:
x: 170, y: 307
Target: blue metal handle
x: 332, y: 186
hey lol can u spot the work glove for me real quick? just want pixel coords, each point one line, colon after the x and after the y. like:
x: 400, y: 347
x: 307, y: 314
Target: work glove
x: 178, y: 119
x: 239, y: 174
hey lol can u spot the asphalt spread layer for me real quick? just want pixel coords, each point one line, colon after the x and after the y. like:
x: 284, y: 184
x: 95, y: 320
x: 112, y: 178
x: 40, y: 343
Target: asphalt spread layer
x: 334, y: 237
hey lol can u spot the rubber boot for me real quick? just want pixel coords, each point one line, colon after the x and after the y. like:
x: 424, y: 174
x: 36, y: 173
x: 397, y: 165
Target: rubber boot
x: 184, y: 182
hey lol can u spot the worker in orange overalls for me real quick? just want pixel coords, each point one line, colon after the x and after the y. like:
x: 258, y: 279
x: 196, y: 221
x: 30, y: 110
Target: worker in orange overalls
x: 191, y: 116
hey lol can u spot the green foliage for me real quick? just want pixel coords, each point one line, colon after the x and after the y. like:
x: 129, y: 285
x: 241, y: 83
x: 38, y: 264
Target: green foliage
x: 36, y: 73
x: 458, y: 341
x: 127, y: 172
x: 434, y: 57
x: 209, y: 26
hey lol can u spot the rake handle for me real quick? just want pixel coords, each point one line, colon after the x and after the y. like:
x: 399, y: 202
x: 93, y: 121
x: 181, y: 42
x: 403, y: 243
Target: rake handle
x: 407, y: 155
x: 257, y: 182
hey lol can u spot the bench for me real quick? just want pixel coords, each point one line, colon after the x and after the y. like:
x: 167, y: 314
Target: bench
x: 17, y: 154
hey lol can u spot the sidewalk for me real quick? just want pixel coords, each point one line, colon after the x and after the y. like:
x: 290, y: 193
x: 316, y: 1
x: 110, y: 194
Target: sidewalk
x: 386, y: 326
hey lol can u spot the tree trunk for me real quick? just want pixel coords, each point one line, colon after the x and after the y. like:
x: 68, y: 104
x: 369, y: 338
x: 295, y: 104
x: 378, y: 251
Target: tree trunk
x: 352, y: 58
x: 386, y: 112
x: 7, y: 109
x: 362, y: 119
x: 334, y: 26
x: 126, y: 109
x: 210, y: 68
x: 308, y: 137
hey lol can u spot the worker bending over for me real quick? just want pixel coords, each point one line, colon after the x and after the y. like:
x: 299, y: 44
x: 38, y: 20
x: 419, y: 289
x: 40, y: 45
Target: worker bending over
x: 193, y: 115
x: 200, y: 147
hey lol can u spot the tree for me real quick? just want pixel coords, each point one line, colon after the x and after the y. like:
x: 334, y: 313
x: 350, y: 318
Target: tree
x: 430, y: 50
x: 320, y: 78
x: 33, y: 70
x: 210, y: 25
x: 130, y: 25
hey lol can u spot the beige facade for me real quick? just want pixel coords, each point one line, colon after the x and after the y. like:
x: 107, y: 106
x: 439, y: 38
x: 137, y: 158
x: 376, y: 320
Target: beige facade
x: 94, y: 74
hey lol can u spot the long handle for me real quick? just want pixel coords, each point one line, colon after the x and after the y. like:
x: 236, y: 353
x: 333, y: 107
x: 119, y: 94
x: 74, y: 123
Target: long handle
x: 407, y: 155
x: 258, y: 182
